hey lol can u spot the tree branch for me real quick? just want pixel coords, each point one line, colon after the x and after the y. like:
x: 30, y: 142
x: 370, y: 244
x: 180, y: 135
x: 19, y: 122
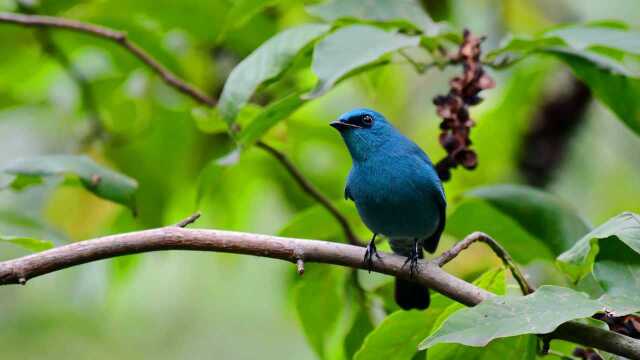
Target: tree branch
x: 429, y: 274
x: 497, y: 249
x: 172, y: 80
x: 119, y: 38
x: 312, y: 191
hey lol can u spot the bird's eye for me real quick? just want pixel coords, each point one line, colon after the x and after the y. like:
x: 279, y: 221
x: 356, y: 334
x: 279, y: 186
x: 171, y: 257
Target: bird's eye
x: 367, y: 120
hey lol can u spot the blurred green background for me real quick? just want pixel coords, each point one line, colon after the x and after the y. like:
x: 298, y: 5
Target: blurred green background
x: 174, y: 305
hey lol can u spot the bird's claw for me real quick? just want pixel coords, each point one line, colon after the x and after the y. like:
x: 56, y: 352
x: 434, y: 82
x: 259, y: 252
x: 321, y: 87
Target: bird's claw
x: 412, y: 260
x: 369, y: 254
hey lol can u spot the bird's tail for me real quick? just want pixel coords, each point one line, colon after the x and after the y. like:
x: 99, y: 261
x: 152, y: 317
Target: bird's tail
x: 409, y: 295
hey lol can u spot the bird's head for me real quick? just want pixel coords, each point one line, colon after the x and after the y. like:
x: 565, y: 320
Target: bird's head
x: 364, y: 131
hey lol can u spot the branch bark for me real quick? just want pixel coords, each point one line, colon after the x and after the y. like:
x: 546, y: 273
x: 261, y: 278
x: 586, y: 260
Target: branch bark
x: 18, y: 271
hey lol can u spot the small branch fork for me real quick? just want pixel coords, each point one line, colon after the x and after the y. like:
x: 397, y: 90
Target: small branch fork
x: 428, y: 274
x: 497, y: 249
x: 174, y: 81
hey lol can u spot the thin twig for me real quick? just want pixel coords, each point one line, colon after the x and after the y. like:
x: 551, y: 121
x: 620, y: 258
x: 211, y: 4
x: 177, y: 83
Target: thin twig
x: 497, y: 249
x: 116, y: 36
x: 175, y: 238
x: 188, y: 221
x: 172, y: 80
x: 312, y: 191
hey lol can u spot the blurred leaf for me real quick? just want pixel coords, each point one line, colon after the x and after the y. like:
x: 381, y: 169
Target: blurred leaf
x: 208, y: 120
x: 578, y: 261
x: 477, y: 215
x: 539, y: 213
x: 617, y: 269
x: 269, y: 117
x: 242, y: 11
x: 398, y: 335
x: 350, y: 48
x: 316, y: 222
x: 212, y: 173
x: 504, y: 316
x: 101, y: 181
x: 27, y: 242
x: 319, y: 299
x: 402, y: 12
x: 360, y: 328
x: 265, y: 63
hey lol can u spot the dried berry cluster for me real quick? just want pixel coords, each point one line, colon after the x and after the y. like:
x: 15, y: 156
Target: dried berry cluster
x: 454, y: 107
x: 628, y: 325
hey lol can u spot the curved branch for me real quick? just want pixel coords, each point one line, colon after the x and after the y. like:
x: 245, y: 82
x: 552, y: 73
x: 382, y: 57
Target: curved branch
x: 18, y: 271
x: 119, y: 38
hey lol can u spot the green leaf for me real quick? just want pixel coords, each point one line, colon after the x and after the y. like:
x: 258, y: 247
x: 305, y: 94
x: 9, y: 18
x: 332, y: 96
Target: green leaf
x: 350, y: 48
x: 212, y: 173
x: 315, y: 222
x: 268, y: 118
x: 523, y: 347
x: 616, y: 91
x: 504, y: 316
x: 27, y: 242
x: 477, y: 215
x: 358, y: 331
x: 402, y: 12
x: 101, y: 181
x: 265, y: 63
x: 617, y: 270
x: 582, y: 37
x: 578, y: 261
x: 319, y: 299
x: 398, y: 335
x: 539, y: 213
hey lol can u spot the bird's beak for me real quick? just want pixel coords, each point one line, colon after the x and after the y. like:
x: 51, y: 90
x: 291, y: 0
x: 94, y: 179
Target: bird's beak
x: 343, y: 125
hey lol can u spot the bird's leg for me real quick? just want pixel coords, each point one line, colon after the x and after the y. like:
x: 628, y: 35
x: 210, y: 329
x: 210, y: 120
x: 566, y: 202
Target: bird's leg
x: 413, y: 258
x: 370, y: 253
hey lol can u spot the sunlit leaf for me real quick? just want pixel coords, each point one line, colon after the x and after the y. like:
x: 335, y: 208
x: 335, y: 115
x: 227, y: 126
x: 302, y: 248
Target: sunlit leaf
x: 265, y: 63
x: 350, y: 48
x: 27, y: 242
x: 504, y: 316
x: 268, y: 118
x: 99, y: 180
x: 316, y: 222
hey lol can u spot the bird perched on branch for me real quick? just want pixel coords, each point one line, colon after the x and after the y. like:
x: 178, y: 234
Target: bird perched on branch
x: 397, y: 193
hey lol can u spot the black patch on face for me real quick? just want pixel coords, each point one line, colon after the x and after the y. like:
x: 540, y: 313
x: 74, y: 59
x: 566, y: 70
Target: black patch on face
x: 363, y: 121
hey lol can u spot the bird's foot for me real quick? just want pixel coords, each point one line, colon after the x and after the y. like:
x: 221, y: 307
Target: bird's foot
x: 412, y: 259
x: 370, y: 253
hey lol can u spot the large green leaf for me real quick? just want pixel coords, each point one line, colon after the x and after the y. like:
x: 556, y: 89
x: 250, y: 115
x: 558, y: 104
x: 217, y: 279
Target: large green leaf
x: 582, y: 37
x: 539, y: 213
x: 28, y: 243
x: 504, y: 316
x: 350, y: 48
x: 265, y: 63
x: 361, y: 326
x: 403, y: 12
x: 268, y: 118
x: 319, y: 299
x: 519, y: 347
x: 578, y: 261
x: 617, y: 270
x: 99, y: 180
x: 398, y: 335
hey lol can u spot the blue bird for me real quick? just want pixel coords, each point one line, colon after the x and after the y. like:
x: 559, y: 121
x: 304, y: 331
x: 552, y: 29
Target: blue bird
x: 397, y: 192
